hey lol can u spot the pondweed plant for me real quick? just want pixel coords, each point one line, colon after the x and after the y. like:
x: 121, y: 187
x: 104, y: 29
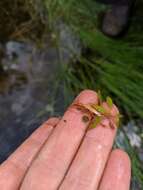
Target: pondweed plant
x: 113, y: 65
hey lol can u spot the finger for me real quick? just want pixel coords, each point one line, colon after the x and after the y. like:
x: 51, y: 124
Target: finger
x: 14, y: 168
x: 117, y: 173
x: 87, y: 168
x: 50, y: 167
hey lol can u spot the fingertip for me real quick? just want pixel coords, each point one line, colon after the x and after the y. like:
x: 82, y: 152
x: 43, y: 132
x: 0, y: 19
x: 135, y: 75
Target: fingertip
x: 119, y: 170
x: 123, y: 157
x: 87, y: 97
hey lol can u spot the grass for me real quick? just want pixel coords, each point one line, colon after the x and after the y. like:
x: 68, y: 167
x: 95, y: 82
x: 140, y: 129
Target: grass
x: 97, y: 70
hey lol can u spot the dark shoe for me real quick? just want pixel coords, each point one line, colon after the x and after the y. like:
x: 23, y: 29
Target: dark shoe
x: 116, y: 20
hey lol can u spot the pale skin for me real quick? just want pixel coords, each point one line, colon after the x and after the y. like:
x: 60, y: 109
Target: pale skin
x: 63, y: 154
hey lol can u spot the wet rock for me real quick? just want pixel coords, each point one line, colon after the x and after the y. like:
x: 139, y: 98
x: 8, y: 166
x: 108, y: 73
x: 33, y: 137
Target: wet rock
x: 132, y: 133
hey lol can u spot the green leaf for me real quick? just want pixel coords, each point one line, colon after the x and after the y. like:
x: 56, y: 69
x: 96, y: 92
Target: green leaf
x: 95, y: 122
x: 100, y: 109
x: 118, y: 119
x: 109, y: 101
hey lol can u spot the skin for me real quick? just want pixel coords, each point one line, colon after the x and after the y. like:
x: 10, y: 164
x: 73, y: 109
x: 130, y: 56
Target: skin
x: 66, y: 154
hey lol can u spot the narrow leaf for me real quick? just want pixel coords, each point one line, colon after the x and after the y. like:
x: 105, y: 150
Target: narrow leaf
x: 95, y: 122
x: 100, y: 97
x: 100, y: 109
x: 109, y: 101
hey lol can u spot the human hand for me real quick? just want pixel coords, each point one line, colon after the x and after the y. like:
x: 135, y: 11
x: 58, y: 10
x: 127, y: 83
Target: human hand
x: 65, y: 154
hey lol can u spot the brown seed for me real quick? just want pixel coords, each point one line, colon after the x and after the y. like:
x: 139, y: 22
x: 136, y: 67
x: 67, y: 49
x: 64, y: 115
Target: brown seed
x: 85, y: 119
x: 65, y: 120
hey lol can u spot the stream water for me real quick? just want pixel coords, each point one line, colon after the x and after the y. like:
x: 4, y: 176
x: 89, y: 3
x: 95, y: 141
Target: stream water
x: 26, y: 80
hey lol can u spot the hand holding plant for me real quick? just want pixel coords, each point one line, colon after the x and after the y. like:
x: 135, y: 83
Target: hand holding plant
x: 69, y: 154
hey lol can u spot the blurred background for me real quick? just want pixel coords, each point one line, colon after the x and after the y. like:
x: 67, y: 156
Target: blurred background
x: 50, y: 50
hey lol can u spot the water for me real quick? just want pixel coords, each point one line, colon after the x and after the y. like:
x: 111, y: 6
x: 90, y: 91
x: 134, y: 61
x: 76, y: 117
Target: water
x: 25, y: 91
